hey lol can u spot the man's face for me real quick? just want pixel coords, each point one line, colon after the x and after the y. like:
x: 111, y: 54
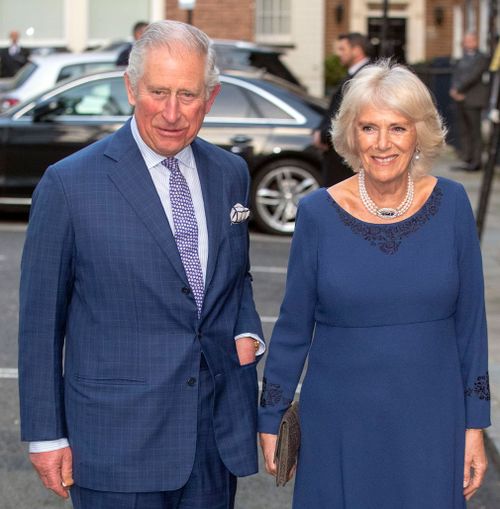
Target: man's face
x: 470, y: 42
x: 138, y: 33
x: 171, y: 99
x: 344, y: 51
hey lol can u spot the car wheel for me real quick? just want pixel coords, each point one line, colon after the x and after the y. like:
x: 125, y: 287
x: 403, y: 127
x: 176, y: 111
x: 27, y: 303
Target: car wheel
x: 276, y: 191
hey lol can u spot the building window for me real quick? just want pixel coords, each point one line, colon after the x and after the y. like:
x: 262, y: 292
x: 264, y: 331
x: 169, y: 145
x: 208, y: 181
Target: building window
x: 102, y: 11
x: 273, y: 22
x: 39, y: 23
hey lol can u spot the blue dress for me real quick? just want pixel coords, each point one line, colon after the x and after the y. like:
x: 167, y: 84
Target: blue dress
x: 391, y: 319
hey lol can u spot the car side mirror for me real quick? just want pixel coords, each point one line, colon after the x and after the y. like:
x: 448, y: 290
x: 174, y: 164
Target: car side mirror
x: 45, y: 111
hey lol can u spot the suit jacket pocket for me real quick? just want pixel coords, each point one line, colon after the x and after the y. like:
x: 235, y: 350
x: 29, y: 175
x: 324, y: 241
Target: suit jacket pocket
x: 110, y: 381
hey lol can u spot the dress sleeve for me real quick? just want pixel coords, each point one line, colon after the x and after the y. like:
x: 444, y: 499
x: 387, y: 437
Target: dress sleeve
x: 470, y: 318
x: 293, y: 331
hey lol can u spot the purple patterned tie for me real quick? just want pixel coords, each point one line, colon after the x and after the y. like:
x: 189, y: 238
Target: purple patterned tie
x: 186, y: 229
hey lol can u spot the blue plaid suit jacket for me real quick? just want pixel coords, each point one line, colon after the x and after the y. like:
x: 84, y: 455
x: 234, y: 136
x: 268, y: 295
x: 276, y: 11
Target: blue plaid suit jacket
x: 109, y: 334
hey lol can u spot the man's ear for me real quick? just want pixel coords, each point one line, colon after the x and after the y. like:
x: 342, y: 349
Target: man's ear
x: 130, y: 90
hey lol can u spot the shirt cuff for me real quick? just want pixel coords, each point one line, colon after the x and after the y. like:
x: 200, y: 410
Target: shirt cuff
x: 262, y: 345
x: 48, y: 445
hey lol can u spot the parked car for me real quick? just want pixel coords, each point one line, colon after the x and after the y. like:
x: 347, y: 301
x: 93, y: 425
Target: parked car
x: 236, y: 55
x: 266, y: 121
x: 44, y: 71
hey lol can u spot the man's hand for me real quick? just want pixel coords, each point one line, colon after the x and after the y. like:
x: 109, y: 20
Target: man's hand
x: 55, y: 469
x: 245, y: 347
x: 456, y: 96
x: 475, y: 460
x: 317, y: 141
x: 268, y: 446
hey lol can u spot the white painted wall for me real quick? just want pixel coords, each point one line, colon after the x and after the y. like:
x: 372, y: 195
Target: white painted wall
x: 308, y: 34
x: 76, y: 24
x: 415, y: 31
x: 414, y: 12
x: 68, y: 22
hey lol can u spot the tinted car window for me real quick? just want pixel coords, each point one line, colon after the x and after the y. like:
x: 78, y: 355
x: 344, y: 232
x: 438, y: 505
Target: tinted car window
x: 236, y: 102
x: 106, y: 97
x: 267, y: 109
x: 75, y: 70
x: 232, y: 103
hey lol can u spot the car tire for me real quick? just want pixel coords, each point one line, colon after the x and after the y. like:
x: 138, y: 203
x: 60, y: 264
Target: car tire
x: 277, y: 188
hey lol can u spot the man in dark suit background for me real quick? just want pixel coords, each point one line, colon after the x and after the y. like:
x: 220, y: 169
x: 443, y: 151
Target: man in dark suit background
x: 354, y: 52
x: 137, y: 31
x: 136, y: 267
x: 13, y: 57
x: 470, y: 91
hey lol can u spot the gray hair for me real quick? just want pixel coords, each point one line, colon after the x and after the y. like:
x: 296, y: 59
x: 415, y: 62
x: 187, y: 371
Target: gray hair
x: 173, y: 35
x: 389, y: 86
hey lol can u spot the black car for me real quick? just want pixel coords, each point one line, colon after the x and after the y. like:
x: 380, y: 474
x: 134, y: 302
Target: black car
x: 267, y: 122
x: 234, y: 55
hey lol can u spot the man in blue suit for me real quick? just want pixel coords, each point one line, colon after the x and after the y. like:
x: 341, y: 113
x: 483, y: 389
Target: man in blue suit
x: 138, y: 330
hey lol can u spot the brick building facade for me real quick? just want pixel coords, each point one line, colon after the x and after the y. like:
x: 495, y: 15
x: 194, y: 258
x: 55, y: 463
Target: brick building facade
x: 235, y: 19
x: 221, y: 19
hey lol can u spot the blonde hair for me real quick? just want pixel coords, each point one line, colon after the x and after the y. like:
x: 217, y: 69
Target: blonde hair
x: 389, y: 86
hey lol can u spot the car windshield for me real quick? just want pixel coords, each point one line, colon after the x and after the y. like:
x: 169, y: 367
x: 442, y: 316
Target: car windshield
x: 23, y: 74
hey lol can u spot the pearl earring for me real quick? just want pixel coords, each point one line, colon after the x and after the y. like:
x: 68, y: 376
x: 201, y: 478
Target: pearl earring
x: 417, y: 154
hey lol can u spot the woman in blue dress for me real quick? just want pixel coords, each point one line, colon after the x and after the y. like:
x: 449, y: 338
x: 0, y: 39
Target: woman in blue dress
x: 384, y: 297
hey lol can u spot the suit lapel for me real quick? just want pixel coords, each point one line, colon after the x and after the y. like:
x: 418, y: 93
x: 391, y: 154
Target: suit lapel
x: 132, y: 178
x: 211, y: 179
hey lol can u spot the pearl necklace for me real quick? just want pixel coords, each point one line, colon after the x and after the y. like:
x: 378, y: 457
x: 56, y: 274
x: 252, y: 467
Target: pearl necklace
x: 385, y: 212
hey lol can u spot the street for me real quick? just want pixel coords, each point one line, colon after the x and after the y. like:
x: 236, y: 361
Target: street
x: 19, y: 486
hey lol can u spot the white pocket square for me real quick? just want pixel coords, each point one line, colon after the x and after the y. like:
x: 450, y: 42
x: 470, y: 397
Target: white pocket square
x: 239, y: 213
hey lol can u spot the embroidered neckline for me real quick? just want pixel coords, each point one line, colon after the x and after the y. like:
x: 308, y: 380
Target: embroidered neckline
x: 388, y: 236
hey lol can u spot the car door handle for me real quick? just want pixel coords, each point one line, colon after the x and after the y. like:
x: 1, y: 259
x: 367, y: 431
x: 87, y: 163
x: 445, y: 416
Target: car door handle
x: 240, y: 139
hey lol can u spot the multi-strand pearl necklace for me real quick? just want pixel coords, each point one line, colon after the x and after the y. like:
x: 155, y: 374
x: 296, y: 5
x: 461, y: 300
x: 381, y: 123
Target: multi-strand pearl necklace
x: 385, y: 212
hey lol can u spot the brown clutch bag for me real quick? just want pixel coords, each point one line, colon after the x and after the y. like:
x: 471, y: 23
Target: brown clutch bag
x: 287, y: 445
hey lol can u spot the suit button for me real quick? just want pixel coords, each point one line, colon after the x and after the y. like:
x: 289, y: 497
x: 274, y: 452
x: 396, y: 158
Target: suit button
x: 185, y: 290
x: 191, y: 381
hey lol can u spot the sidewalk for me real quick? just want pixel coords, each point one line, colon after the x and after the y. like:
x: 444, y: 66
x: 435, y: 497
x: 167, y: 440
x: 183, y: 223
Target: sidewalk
x: 490, y: 246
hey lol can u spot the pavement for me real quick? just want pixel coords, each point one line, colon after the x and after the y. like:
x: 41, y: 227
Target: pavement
x: 490, y: 247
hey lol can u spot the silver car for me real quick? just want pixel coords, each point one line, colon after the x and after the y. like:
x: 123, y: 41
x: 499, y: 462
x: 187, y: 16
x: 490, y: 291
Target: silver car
x: 43, y: 72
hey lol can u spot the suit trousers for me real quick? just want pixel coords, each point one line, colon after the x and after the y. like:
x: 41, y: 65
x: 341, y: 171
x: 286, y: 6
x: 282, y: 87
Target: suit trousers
x: 469, y: 128
x: 210, y: 485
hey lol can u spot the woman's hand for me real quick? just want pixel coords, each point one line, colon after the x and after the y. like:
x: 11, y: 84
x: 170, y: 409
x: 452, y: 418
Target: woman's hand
x: 475, y: 460
x: 268, y: 446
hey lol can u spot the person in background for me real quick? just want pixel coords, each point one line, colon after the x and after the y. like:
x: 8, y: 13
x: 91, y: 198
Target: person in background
x: 385, y: 297
x: 137, y: 31
x: 470, y: 93
x: 13, y: 57
x: 354, y: 51
x: 138, y: 332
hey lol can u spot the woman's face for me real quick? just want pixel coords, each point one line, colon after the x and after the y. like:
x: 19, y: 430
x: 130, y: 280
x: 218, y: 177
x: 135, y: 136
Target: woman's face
x: 386, y: 142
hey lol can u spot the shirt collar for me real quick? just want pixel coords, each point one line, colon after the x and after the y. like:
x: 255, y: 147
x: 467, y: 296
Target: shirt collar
x: 356, y: 67
x: 152, y: 158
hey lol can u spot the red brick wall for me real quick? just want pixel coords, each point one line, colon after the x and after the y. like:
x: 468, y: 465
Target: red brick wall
x: 223, y: 19
x: 439, y: 39
x: 332, y: 27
